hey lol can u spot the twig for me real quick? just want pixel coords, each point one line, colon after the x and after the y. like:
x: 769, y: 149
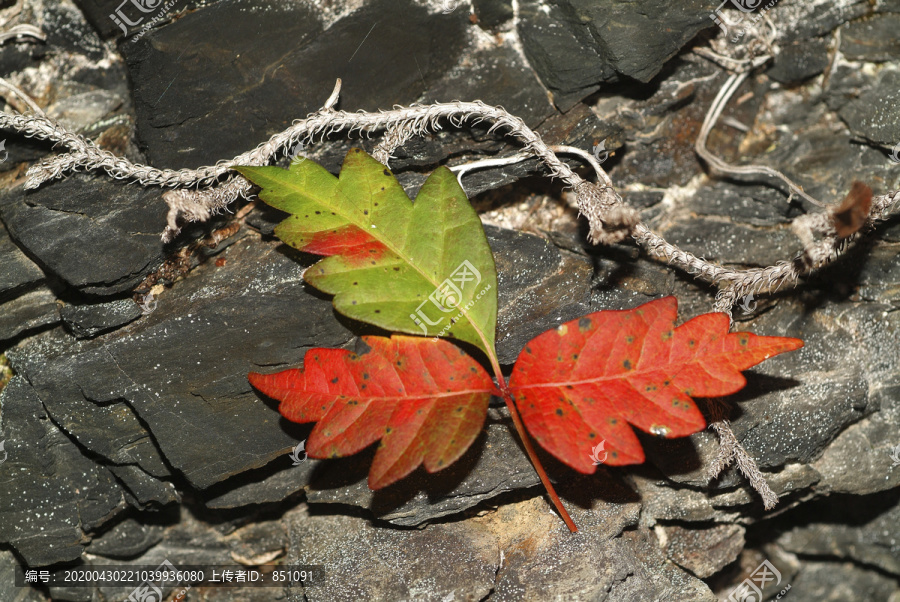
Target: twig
x: 731, y: 451
x: 733, y: 82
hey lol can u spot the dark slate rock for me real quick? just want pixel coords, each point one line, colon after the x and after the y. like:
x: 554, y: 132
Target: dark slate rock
x: 110, y: 430
x: 751, y: 205
x: 628, y: 34
x: 17, y: 272
x: 575, y: 44
x: 563, y: 56
x: 872, y: 39
x: 874, y: 115
x: 188, y: 541
x: 143, y: 488
x: 98, y: 235
x: 52, y: 492
x: 493, y: 465
x: 498, y: 76
x: 800, y: 61
x: 860, y: 460
x: 127, y: 539
x: 275, y: 482
x: 521, y: 551
x: 183, y: 125
x: 88, y: 321
x: 492, y: 13
x: 815, y: 20
x: 830, y: 581
x: 539, y: 287
x: 703, y: 551
x: 720, y: 241
x: 831, y: 383
x: 660, y: 131
x: 98, y: 14
x: 183, y: 369
x: 369, y: 563
x: 27, y: 312
x: 861, y: 529
x: 591, y: 567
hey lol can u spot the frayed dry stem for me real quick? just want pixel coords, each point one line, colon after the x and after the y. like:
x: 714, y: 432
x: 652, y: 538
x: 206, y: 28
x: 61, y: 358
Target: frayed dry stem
x: 733, y: 82
x: 731, y: 452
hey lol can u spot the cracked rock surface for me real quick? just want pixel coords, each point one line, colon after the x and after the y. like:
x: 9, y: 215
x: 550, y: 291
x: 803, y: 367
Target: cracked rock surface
x: 129, y: 434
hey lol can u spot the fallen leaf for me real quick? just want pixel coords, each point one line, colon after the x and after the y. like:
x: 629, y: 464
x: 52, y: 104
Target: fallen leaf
x: 420, y: 268
x: 589, y: 379
x: 425, y: 399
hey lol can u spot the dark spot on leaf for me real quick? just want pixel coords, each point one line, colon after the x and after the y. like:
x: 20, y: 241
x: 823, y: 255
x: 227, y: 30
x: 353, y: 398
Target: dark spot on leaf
x: 396, y: 269
x: 574, y: 356
x: 592, y: 435
x: 614, y: 421
x: 387, y: 430
x: 377, y: 311
x: 584, y: 323
x: 614, y: 454
x: 356, y: 284
x: 365, y: 376
x: 334, y: 380
x: 387, y: 173
x: 459, y: 409
x: 570, y: 387
x: 559, y: 412
x: 691, y: 343
x: 527, y: 349
x: 353, y: 302
x: 627, y: 364
x: 629, y: 340
x: 365, y: 212
x: 318, y: 213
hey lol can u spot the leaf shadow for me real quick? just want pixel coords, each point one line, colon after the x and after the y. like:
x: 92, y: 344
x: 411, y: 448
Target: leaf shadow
x: 352, y: 472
